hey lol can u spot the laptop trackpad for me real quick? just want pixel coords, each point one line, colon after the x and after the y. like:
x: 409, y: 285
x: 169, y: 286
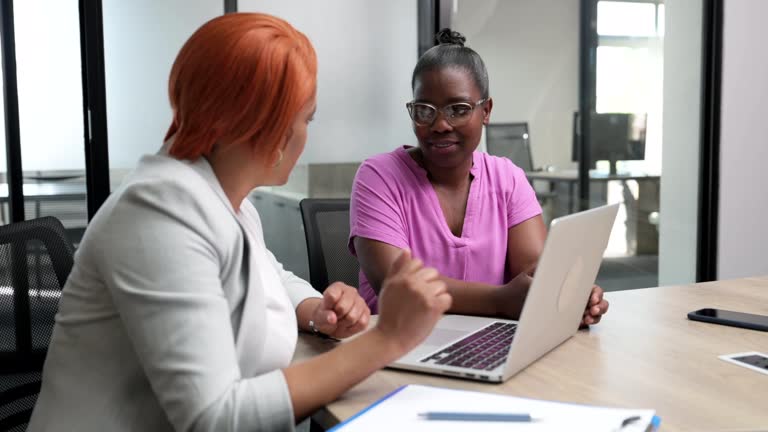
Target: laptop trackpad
x: 440, y: 337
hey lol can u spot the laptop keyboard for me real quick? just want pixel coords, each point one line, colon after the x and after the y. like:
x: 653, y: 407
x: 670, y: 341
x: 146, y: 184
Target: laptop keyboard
x: 484, y: 349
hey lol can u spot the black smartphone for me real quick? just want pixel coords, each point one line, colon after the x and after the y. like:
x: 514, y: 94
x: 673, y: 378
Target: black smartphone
x: 730, y: 318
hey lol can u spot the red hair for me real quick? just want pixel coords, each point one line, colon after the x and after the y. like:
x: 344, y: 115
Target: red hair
x: 239, y: 78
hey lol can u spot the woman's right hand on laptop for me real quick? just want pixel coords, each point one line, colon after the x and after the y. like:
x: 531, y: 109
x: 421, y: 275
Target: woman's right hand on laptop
x: 510, y: 297
x: 412, y: 300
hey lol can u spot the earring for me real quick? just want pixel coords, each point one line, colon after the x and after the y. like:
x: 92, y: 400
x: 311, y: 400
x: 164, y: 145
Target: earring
x: 279, y: 159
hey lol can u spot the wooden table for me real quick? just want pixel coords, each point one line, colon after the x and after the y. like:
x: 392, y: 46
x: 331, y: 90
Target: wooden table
x: 645, y: 354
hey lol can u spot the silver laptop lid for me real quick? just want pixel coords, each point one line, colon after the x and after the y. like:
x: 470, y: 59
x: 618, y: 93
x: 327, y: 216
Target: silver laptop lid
x: 561, y: 286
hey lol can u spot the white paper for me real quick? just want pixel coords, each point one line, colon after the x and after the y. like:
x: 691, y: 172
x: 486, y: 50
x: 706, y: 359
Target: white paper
x: 731, y: 358
x: 400, y: 412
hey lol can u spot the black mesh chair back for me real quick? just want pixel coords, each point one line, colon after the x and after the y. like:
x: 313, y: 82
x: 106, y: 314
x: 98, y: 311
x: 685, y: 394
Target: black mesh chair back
x: 35, y: 261
x: 326, y: 227
x: 510, y: 140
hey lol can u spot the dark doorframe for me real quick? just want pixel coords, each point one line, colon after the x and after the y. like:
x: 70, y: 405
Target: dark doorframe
x: 432, y: 15
x: 427, y: 25
x: 14, y: 176
x: 587, y: 94
x: 709, y: 163
x: 94, y: 104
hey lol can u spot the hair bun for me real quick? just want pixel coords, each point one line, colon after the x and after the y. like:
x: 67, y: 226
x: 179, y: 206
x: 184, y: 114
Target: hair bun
x: 447, y: 36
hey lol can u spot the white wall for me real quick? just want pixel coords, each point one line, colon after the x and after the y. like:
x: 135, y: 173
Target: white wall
x: 531, y: 51
x: 366, y: 53
x: 743, y: 230
x: 680, y: 152
x: 141, y: 40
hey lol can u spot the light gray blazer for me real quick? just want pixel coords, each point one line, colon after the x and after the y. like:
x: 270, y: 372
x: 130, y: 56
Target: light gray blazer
x: 175, y: 315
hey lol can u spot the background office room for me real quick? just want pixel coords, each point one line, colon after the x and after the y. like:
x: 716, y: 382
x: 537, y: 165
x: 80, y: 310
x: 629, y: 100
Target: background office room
x: 651, y: 104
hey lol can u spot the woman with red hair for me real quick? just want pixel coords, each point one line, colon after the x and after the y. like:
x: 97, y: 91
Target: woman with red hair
x: 175, y: 315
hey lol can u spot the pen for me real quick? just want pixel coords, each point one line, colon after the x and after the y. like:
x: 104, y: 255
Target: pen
x: 465, y: 416
x: 630, y: 420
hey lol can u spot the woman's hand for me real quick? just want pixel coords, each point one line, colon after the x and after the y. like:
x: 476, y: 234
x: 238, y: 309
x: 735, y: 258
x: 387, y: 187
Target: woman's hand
x: 342, y: 312
x: 597, y: 306
x: 510, y: 297
x: 411, y: 301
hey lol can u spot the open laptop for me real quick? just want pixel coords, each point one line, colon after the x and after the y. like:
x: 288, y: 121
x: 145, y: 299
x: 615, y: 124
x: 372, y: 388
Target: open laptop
x: 490, y: 349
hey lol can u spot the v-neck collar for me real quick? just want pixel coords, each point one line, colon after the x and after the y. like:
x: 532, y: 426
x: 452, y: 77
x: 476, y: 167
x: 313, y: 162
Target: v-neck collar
x: 470, y: 211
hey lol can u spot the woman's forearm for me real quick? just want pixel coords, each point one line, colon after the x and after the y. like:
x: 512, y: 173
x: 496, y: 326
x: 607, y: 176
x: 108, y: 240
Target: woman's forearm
x: 322, y: 379
x: 475, y: 298
x: 471, y: 298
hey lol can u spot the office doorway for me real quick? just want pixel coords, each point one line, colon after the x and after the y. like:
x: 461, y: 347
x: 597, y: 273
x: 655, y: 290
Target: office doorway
x: 610, y: 93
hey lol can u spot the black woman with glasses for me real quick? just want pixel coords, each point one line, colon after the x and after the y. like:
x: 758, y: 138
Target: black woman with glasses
x: 472, y: 216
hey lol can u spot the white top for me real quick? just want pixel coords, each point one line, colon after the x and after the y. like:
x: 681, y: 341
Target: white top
x: 175, y: 315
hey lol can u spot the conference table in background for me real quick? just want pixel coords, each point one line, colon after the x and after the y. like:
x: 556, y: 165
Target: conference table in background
x: 38, y: 193
x: 48, y: 191
x: 645, y: 354
x: 641, y: 232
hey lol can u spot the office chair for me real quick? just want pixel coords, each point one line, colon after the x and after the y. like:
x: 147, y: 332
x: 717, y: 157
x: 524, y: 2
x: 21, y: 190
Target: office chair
x: 326, y: 228
x: 35, y: 261
x: 510, y: 140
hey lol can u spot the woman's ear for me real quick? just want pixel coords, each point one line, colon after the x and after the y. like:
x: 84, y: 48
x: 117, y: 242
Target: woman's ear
x: 288, y: 136
x: 276, y: 156
x: 487, y: 107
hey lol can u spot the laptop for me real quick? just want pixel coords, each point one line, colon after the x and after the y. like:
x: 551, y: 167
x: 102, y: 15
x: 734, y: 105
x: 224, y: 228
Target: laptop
x: 493, y: 350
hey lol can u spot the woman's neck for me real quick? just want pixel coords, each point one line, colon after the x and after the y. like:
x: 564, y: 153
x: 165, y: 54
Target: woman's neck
x: 237, y: 173
x: 452, y: 177
x: 234, y: 188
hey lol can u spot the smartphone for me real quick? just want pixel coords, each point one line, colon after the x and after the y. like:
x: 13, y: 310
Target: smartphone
x: 730, y: 318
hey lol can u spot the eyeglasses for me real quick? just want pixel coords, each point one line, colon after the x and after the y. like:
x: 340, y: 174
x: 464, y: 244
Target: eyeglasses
x: 456, y: 114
